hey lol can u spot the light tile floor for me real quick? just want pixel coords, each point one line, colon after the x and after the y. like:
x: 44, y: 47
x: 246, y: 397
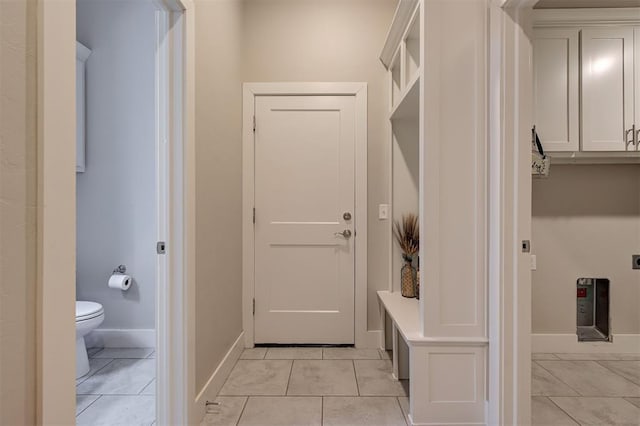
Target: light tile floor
x: 119, y: 389
x: 311, y: 386
x: 350, y: 387
x: 585, y: 389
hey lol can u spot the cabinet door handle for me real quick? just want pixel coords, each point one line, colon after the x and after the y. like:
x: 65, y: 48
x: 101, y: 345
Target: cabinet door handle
x: 630, y: 140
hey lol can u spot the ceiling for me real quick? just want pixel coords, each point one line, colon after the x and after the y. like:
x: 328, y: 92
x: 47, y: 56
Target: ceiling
x: 572, y: 4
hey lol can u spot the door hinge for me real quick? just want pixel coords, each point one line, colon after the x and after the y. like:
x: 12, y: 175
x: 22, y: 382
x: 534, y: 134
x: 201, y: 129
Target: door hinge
x: 254, y: 123
x: 254, y: 215
x: 254, y: 307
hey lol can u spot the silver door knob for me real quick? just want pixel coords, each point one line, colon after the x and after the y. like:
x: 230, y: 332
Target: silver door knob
x: 346, y: 233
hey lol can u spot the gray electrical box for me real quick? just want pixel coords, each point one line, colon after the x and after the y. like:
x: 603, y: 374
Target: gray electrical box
x: 593, y: 310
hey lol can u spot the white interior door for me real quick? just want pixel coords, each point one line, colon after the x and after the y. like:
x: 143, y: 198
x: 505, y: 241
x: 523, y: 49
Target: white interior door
x: 304, y: 200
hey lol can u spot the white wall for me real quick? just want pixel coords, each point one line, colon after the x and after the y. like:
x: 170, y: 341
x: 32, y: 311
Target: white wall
x: 273, y: 40
x: 586, y: 223
x: 117, y: 194
x: 332, y: 40
x: 17, y: 213
x: 218, y: 183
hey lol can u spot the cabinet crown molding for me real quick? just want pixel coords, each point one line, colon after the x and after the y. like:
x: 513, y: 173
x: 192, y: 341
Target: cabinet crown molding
x: 586, y: 17
x: 401, y: 19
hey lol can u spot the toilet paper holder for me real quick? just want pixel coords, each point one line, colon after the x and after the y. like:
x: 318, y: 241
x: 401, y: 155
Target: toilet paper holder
x: 121, y: 269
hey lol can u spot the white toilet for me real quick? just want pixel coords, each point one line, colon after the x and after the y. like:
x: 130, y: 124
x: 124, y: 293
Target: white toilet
x: 89, y: 315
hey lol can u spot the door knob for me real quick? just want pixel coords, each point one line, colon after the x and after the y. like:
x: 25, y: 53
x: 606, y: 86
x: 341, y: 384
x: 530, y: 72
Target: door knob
x: 346, y: 233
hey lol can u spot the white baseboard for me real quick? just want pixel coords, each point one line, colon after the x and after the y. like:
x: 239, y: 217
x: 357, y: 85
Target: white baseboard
x: 568, y: 343
x: 125, y: 338
x: 211, y: 389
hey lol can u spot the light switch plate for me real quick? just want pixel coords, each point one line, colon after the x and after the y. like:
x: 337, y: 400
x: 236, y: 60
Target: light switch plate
x: 383, y: 211
x: 636, y: 261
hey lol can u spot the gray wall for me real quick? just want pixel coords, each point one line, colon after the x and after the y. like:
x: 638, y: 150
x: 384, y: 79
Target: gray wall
x: 218, y: 183
x: 586, y: 223
x: 17, y: 213
x: 332, y: 40
x: 117, y: 193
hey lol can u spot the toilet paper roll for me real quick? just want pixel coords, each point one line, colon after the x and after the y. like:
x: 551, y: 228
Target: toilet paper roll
x: 120, y: 281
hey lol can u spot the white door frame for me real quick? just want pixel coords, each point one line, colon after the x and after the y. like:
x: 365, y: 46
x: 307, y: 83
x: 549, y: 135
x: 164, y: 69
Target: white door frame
x: 174, y: 393
x: 250, y: 91
x: 509, y: 299
x: 56, y: 229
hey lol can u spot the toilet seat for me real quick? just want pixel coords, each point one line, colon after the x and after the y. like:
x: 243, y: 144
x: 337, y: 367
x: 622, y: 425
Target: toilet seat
x: 88, y: 310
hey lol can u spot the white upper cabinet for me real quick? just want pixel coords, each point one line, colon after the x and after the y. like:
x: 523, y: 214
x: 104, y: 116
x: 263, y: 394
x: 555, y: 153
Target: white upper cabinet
x: 556, y: 91
x: 607, y: 89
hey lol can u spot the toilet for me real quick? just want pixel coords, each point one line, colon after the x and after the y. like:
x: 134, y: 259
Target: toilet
x: 89, y: 315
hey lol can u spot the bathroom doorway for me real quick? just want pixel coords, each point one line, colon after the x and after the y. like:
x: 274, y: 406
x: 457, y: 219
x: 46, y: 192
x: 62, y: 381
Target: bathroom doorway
x: 129, y: 213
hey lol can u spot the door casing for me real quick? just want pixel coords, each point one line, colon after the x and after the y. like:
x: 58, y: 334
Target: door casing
x: 363, y: 338
x: 56, y: 37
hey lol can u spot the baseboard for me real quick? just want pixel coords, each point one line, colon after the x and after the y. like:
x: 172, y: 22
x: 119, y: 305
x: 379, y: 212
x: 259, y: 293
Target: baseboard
x: 211, y: 389
x: 123, y: 338
x: 568, y: 343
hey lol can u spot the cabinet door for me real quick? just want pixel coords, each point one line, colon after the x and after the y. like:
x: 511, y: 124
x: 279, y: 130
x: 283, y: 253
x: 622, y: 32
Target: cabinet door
x: 607, y: 88
x: 556, y: 108
x: 636, y: 94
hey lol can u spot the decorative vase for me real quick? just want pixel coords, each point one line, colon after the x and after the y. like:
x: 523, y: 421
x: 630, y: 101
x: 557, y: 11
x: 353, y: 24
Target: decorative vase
x: 408, y: 279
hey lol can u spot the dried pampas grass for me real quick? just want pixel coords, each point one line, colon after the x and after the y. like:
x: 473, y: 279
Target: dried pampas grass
x: 407, y: 235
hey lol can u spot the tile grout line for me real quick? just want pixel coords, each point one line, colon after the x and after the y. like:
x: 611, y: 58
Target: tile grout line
x: 616, y: 373
x: 94, y: 373
x: 286, y: 391
x: 244, y: 406
x: 558, y: 378
x: 353, y: 362
x: 145, y: 386
x: 561, y: 409
x: 404, y: 417
x: 85, y: 408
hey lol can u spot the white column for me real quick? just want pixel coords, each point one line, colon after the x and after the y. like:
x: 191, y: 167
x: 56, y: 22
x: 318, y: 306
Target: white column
x: 449, y: 369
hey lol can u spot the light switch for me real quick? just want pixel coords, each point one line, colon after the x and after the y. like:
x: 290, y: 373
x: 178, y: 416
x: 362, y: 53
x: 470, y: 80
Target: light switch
x: 534, y: 262
x: 383, y: 211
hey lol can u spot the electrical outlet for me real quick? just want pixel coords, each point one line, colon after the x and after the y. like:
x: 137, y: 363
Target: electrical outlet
x: 636, y: 261
x: 383, y: 211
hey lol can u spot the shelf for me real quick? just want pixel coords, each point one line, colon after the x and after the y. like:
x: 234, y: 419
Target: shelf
x: 622, y: 157
x: 405, y: 313
x: 408, y: 106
